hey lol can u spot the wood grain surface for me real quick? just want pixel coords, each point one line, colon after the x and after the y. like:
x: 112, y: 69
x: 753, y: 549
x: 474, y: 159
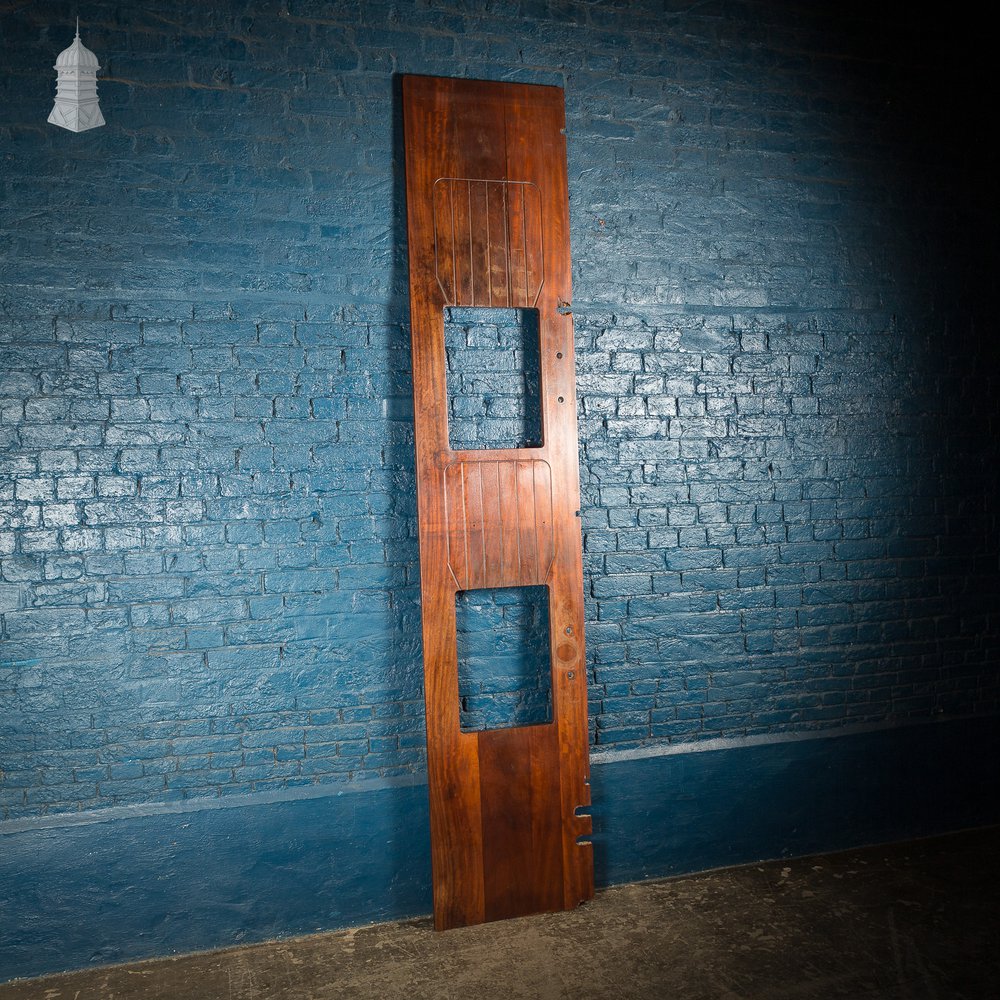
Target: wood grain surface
x: 487, y: 211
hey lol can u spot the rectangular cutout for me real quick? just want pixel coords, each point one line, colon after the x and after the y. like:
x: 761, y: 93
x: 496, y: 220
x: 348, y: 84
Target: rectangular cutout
x: 494, y: 387
x: 504, y: 667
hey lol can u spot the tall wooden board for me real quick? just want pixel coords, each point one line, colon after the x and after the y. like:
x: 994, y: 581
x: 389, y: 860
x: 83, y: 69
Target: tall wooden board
x: 487, y: 211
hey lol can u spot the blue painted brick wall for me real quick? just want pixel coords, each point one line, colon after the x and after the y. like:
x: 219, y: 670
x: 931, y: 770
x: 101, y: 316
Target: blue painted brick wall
x: 504, y: 666
x: 208, y: 562
x: 493, y: 378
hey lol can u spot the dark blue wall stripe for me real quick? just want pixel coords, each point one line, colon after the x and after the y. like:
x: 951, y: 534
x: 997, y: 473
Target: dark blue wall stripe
x: 173, y: 882
x: 680, y: 813
x: 101, y: 892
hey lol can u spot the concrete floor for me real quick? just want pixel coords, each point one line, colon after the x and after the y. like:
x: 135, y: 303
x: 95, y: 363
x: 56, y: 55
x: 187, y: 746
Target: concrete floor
x: 913, y: 921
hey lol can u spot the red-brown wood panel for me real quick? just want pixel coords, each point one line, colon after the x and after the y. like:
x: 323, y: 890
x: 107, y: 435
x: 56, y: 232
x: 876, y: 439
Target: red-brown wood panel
x: 532, y: 561
x: 487, y: 210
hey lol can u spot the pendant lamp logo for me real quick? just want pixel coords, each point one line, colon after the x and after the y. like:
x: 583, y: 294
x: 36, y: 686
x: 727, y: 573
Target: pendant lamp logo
x: 76, y: 106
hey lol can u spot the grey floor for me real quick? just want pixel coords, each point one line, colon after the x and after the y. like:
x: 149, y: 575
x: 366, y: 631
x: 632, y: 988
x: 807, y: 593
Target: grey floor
x: 914, y: 921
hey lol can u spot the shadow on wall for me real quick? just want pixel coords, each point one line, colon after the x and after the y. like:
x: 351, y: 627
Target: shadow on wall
x: 400, y: 458
x: 931, y: 522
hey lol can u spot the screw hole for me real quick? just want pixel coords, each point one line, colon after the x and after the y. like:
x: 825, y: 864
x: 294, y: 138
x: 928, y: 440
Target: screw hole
x: 561, y: 400
x: 559, y: 354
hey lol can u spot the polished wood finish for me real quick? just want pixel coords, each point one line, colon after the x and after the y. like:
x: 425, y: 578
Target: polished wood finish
x: 487, y: 210
x: 499, y: 522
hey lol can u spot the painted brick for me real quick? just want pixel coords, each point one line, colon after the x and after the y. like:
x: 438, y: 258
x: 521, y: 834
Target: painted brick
x: 206, y: 479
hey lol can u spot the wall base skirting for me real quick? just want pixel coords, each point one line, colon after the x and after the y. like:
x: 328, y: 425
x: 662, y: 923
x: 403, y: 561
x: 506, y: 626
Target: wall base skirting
x: 121, y: 885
